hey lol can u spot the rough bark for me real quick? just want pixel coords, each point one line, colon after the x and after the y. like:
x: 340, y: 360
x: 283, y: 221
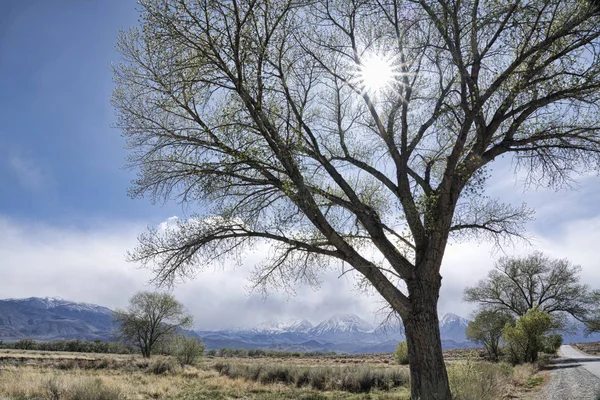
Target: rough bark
x: 428, y: 376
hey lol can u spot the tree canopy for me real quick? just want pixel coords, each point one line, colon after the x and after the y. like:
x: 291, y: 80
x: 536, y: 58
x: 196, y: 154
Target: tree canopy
x: 518, y: 284
x: 271, y: 120
x: 150, y: 319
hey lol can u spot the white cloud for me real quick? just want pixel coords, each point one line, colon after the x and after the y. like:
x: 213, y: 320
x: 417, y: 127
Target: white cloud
x: 89, y: 265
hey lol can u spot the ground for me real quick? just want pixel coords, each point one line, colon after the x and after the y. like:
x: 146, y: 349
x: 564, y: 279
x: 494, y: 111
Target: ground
x: 81, y: 376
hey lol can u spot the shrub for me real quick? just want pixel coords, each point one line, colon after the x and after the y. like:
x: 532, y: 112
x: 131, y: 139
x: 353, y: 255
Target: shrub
x: 94, y: 389
x: 401, y: 353
x: 478, y: 380
x: 351, y: 379
x: 25, y: 344
x: 524, y: 340
x: 163, y: 366
x: 54, y: 389
x: 187, y: 350
x: 552, y: 343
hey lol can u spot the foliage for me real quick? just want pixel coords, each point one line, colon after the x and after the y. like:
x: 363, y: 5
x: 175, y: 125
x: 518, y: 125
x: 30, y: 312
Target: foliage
x: 518, y: 284
x: 401, y: 353
x: 353, y: 379
x: 163, y: 365
x: 187, y: 350
x: 86, y: 389
x: 552, y: 343
x: 525, y: 339
x: 478, y: 380
x: 151, y: 319
x: 25, y: 344
x: 259, y: 113
x: 486, y: 329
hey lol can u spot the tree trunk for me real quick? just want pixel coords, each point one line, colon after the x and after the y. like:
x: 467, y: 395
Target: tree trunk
x: 428, y: 376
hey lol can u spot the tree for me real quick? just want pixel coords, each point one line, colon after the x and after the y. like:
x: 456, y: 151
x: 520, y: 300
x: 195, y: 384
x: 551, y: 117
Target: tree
x: 517, y: 285
x: 525, y: 339
x: 486, y: 329
x: 401, y: 353
x: 151, y: 319
x: 329, y: 127
x: 187, y: 350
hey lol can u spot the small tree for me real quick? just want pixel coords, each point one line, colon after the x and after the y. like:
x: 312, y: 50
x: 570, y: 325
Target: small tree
x: 401, y: 353
x: 187, y: 350
x: 486, y: 329
x: 525, y: 339
x: 150, y: 319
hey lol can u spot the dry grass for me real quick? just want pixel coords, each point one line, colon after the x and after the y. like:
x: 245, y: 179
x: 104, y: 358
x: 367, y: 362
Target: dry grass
x: 77, y: 376
x: 592, y: 348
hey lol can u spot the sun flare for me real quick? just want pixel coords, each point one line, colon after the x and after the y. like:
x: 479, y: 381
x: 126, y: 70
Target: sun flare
x: 376, y: 73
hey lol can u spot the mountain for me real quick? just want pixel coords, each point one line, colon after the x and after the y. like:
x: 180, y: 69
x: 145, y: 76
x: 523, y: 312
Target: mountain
x: 344, y: 333
x: 286, y: 326
x: 341, y: 323
x: 55, y: 319
x: 52, y: 318
x: 452, y: 327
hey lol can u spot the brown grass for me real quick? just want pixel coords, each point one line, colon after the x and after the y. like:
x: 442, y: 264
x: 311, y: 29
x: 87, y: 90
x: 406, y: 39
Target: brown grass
x: 78, y: 376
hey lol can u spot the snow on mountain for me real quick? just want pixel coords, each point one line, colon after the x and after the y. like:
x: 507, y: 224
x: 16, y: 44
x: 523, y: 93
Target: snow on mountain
x: 452, y: 327
x: 284, y: 326
x: 342, y: 323
x: 450, y: 318
x: 56, y: 302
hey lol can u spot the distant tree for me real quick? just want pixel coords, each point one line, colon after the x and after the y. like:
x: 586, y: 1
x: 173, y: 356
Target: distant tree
x: 326, y: 127
x: 517, y: 285
x: 525, y: 339
x: 486, y: 329
x: 25, y: 344
x: 150, y: 319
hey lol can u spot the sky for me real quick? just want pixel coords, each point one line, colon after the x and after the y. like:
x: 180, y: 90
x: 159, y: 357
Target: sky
x: 66, y: 221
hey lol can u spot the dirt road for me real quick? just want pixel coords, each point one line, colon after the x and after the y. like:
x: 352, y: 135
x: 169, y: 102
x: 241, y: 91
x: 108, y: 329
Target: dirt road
x: 574, y: 376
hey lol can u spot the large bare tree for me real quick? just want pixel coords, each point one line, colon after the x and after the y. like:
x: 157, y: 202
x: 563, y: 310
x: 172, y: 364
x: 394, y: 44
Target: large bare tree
x: 351, y: 131
x: 518, y: 284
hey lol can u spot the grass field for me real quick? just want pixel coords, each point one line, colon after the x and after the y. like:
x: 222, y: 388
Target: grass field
x: 81, y: 376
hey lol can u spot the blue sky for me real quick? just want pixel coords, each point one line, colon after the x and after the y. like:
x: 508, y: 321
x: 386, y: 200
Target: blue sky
x: 66, y: 221
x: 60, y: 160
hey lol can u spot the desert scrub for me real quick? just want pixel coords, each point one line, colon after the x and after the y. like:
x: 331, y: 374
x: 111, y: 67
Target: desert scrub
x: 479, y: 380
x: 354, y: 379
x: 163, y: 365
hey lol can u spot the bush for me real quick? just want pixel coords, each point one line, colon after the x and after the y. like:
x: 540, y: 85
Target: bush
x: 351, y: 379
x: 401, y: 353
x: 187, y: 350
x: 478, y: 380
x: 552, y: 343
x: 525, y: 339
x: 94, y: 390
x: 163, y: 366
x: 85, y: 389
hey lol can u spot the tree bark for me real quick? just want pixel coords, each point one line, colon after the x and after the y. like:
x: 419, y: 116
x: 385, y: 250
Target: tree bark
x: 428, y: 376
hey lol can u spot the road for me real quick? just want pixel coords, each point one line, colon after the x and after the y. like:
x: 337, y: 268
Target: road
x: 574, y: 376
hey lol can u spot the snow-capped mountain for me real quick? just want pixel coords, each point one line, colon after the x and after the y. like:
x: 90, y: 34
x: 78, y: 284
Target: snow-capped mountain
x: 53, y: 318
x: 342, y: 323
x: 452, y: 327
x: 284, y: 326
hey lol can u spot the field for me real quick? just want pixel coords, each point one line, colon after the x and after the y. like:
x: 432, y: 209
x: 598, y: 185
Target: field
x: 591, y: 348
x: 83, y: 376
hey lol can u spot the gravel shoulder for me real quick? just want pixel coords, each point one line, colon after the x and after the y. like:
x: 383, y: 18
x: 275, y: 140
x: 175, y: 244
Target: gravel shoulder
x: 570, y: 378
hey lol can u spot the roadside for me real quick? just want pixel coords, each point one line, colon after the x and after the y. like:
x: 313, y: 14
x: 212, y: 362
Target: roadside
x: 573, y: 376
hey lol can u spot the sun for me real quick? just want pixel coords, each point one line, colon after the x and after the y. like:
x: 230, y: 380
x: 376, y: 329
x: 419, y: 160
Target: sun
x: 376, y: 73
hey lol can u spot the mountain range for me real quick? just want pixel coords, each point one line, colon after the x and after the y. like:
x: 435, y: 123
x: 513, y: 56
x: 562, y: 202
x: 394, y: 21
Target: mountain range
x: 47, y: 319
